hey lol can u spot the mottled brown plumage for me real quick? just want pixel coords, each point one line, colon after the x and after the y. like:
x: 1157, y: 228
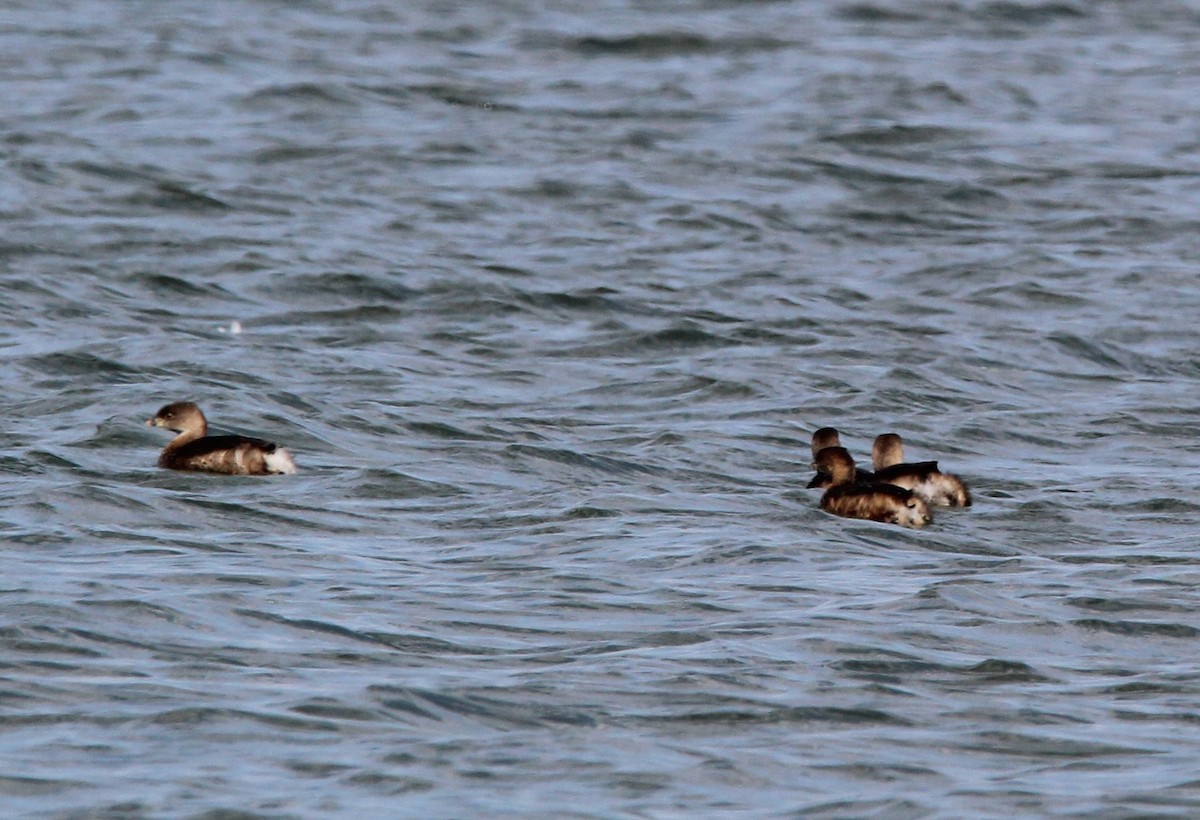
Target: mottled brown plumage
x: 828, y: 437
x: 875, y: 502
x: 922, y: 477
x: 193, y: 449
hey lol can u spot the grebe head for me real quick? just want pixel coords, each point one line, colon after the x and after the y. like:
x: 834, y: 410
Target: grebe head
x: 887, y: 450
x: 837, y: 463
x: 914, y: 513
x: 825, y: 437
x: 180, y: 417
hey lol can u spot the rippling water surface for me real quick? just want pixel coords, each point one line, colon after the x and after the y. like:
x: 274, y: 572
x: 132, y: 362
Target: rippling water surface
x: 547, y: 300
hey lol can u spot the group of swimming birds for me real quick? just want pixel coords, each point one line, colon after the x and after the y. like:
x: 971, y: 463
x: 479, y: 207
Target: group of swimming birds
x: 895, y: 492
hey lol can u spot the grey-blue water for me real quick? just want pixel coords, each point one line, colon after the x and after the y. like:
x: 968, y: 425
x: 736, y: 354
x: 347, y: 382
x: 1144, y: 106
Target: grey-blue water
x: 547, y: 299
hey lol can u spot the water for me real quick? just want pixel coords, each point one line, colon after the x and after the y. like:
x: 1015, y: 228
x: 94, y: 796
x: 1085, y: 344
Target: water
x: 547, y: 302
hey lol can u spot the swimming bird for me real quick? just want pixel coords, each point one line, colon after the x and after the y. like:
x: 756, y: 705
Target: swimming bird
x: 923, y: 477
x: 874, y: 502
x: 828, y: 437
x: 193, y: 449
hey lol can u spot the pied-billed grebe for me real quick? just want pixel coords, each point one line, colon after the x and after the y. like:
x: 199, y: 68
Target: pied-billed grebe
x: 192, y: 449
x: 828, y: 437
x: 923, y: 477
x: 875, y: 502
